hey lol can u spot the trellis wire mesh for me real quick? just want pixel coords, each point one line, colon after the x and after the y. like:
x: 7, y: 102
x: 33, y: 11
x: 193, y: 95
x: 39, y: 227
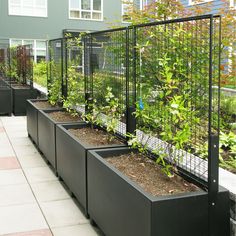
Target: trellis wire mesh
x: 55, y: 68
x: 73, y: 71
x: 106, y: 55
x: 21, y: 64
x: 4, y: 60
x: 177, y: 64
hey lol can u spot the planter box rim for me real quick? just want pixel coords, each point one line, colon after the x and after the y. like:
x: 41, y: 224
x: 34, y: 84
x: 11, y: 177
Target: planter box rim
x: 90, y: 147
x: 139, y: 188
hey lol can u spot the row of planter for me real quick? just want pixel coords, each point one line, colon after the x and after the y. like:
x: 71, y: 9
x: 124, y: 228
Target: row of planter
x: 13, y: 98
x: 117, y: 204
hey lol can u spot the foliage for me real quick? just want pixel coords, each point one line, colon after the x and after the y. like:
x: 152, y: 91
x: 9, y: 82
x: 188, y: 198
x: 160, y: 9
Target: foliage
x: 75, y: 95
x: 55, y: 84
x: 93, y: 116
x: 40, y: 73
x: 112, y: 112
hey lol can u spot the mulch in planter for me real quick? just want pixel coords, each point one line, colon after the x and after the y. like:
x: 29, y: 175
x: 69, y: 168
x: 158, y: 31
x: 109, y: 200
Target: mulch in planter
x: 63, y: 116
x: 44, y: 105
x: 94, y: 137
x: 146, y: 173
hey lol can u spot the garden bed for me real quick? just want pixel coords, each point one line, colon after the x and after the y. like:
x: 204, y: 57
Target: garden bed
x: 32, y: 108
x: 72, y: 145
x: 47, y: 131
x: 129, y: 210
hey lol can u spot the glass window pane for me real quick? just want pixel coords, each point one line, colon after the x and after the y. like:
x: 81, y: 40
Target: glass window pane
x: 85, y: 5
x: 40, y: 3
x: 41, y: 52
x: 28, y: 3
x: 75, y: 14
x: 86, y: 15
x: 97, y: 16
x: 28, y: 11
x: 27, y: 42
x: 74, y: 4
x: 40, y: 12
x: 15, y: 10
x: 15, y: 42
x: 97, y: 5
x: 15, y: 2
x: 40, y: 44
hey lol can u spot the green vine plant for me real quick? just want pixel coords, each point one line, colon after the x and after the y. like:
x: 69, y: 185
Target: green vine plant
x: 54, y: 87
x: 75, y: 77
x: 112, y: 112
x: 93, y: 116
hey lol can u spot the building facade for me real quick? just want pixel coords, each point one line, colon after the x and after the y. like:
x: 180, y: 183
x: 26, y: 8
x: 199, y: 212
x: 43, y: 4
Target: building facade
x: 36, y: 21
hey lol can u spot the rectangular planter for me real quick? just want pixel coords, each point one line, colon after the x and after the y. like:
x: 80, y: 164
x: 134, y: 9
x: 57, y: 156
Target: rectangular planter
x: 19, y: 98
x: 47, y: 135
x: 32, y: 118
x: 121, y: 207
x: 5, y: 100
x: 72, y: 160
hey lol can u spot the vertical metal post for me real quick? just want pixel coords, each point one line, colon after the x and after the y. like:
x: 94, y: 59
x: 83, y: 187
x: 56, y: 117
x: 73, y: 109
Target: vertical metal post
x: 88, y: 73
x: 62, y: 71
x: 213, y: 149
x: 131, y: 100
x: 65, y: 74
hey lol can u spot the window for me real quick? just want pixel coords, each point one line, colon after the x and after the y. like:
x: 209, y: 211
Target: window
x: 126, y: 4
x: 195, y: 2
x: 233, y: 3
x: 28, y: 7
x: 39, y: 47
x: 143, y: 4
x: 86, y: 9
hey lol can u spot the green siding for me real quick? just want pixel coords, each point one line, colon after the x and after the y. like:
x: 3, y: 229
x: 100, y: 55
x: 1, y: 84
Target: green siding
x: 27, y: 27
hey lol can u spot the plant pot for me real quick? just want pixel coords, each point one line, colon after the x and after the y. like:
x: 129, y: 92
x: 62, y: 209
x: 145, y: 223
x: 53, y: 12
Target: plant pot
x: 47, y: 135
x: 121, y: 207
x: 32, y: 118
x: 5, y: 100
x: 19, y: 98
x: 72, y: 160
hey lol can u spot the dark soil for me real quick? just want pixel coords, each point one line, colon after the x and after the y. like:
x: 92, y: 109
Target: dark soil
x: 44, y: 105
x: 149, y: 175
x: 95, y: 137
x: 63, y: 116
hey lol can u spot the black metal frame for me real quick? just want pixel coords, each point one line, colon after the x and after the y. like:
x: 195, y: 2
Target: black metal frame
x: 208, y: 179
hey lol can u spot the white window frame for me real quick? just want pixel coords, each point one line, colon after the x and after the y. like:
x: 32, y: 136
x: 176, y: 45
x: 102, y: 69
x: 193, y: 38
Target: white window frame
x: 90, y: 11
x: 10, y: 13
x: 123, y: 6
x: 34, y: 46
x: 232, y: 3
x: 143, y: 4
x: 198, y: 2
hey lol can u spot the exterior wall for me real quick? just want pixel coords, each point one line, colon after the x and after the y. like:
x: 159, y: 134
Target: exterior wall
x: 214, y: 5
x: 26, y: 27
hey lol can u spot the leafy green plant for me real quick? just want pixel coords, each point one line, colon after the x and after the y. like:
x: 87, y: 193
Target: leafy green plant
x: 93, y: 116
x: 40, y: 73
x: 55, y: 84
x: 75, y: 96
x: 112, y: 112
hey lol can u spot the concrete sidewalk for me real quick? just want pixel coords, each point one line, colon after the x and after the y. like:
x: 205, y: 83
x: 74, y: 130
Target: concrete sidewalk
x: 32, y: 199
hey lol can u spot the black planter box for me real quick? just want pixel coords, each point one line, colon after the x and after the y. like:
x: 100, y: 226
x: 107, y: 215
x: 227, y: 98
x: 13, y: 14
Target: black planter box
x: 32, y: 118
x: 5, y: 100
x: 20, y: 96
x: 120, y: 207
x: 72, y: 160
x: 47, y: 135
